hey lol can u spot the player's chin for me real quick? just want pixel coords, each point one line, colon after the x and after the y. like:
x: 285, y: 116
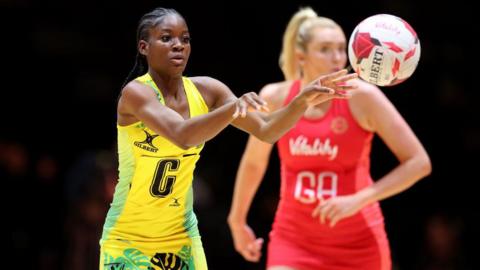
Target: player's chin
x: 176, y: 70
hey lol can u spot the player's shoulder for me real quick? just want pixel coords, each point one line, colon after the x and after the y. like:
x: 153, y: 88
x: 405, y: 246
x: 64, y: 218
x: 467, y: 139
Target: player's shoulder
x: 365, y: 90
x: 206, y: 83
x: 137, y: 90
x: 276, y: 93
x: 368, y: 98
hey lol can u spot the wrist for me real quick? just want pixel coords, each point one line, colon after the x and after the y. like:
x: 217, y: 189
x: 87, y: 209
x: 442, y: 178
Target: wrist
x: 230, y: 108
x: 300, y: 101
x: 366, y: 196
x: 234, y: 221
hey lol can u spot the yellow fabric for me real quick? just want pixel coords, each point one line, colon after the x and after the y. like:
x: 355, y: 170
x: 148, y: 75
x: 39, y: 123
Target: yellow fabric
x: 152, y: 206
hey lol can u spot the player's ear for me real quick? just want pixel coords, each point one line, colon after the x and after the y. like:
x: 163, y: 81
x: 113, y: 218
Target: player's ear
x: 143, y: 47
x: 300, y: 55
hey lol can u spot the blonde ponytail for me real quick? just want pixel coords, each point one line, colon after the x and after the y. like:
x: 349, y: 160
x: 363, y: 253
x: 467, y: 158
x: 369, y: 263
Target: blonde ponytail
x: 287, y: 60
x: 296, y: 37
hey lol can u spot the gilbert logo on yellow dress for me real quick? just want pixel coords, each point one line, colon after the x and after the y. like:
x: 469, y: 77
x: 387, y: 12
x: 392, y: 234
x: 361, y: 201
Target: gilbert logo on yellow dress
x: 147, y: 144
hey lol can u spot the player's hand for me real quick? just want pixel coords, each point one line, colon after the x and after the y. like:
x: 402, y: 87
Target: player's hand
x: 337, y: 208
x: 246, y: 243
x: 329, y: 86
x: 248, y: 102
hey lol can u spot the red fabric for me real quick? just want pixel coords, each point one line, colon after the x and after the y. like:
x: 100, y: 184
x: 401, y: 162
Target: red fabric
x: 320, y: 158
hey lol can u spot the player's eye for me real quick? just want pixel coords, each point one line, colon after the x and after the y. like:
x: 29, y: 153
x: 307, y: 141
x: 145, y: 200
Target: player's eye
x: 165, y: 38
x: 325, y: 49
x: 186, y: 39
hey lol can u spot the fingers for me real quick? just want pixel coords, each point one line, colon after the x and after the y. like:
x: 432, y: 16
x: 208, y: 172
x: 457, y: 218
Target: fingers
x: 262, y: 103
x: 333, y: 213
x: 236, y: 113
x: 324, y: 211
x: 247, y: 244
x: 237, y: 110
x: 253, y: 251
x: 342, y: 94
x: 345, y: 87
x: 324, y: 90
x: 240, y: 109
x: 334, y: 75
x: 314, y: 92
x: 256, y: 102
x: 336, y: 218
x: 345, y: 78
x: 249, y: 100
x: 259, y: 242
x: 243, y: 109
x: 251, y: 256
x: 330, y: 90
x: 337, y: 81
x: 317, y: 209
x: 342, y: 90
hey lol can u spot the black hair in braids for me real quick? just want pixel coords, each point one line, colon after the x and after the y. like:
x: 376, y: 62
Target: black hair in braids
x: 149, y: 20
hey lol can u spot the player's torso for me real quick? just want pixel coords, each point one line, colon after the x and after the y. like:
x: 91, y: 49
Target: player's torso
x: 322, y: 157
x: 153, y: 199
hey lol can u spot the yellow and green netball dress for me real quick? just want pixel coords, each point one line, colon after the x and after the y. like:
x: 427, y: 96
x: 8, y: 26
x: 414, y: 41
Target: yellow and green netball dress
x: 151, y: 224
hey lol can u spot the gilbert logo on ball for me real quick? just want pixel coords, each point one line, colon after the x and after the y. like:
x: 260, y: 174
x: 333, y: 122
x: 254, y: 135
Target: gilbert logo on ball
x: 384, y: 50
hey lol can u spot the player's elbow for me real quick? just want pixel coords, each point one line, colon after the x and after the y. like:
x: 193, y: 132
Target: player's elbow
x: 180, y: 139
x: 181, y: 143
x: 183, y: 137
x: 189, y: 142
x: 424, y: 165
x: 255, y: 168
x: 427, y: 166
x: 184, y: 146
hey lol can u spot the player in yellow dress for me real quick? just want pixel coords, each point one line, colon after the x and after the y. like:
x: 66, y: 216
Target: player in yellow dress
x: 164, y: 119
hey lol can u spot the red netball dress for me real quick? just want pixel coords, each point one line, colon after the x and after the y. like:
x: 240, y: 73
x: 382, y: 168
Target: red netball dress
x: 321, y: 158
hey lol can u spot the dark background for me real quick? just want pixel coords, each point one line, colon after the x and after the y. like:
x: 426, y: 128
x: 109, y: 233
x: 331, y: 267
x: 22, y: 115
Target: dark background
x: 63, y: 65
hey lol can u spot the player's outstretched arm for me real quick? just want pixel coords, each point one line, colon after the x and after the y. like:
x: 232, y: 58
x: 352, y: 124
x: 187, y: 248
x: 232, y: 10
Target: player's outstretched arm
x: 140, y: 102
x: 273, y: 126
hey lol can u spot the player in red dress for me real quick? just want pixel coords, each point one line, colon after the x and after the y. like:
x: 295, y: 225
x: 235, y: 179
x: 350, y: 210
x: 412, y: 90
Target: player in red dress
x: 328, y: 216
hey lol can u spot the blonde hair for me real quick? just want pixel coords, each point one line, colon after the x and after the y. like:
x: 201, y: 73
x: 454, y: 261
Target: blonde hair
x: 296, y: 36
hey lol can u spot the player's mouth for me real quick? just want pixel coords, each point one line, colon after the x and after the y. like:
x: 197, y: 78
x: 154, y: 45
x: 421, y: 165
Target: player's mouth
x: 177, y: 59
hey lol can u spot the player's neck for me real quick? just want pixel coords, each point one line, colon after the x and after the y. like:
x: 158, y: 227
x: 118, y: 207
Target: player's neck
x: 168, y: 85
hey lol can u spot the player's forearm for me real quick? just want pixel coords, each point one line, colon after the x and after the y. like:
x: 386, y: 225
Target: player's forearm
x: 399, y: 179
x: 282, y: 120
x: 200, y: 129
x: 248, y: 179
